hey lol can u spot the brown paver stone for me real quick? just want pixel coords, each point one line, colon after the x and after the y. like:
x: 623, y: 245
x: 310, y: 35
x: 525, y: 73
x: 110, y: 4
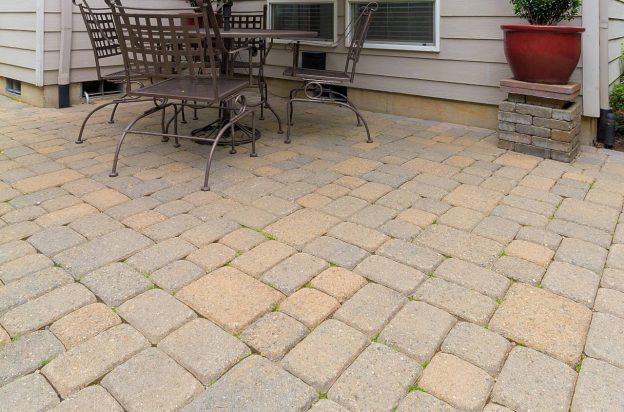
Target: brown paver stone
x: 204, y: 349
x: 47, y: 180
x: 370, y: 308
x: 155, y: 314
x: 93, y: 399
x: 457, y: 382
x: 84, y: 323
x: 29, y: 393
x: 418, y: 329
x: 230, y: 298
x: 92, y: 359
x: 464, y: 303
x: 105, y: 198
x: 45, y: 309
x: 242, y: 239
x: 599, y: 387
x: 309, y: 306
x: 604, y: 340
x: 531, y: 252
x: 457, y: 243
x: 543, y: 321
x: 462, y: 218
x: 273, y: 335
x: 163, y: 384
x: 212, y: 256
x: 518, y: 160
x: 67, y: 215
x: 356, y: 166
x: 376, y: 380
x: 255, y: 385
x: 477, y: 345
x: 338, y: 282
x: 532, y: 381
x: 324, y: 354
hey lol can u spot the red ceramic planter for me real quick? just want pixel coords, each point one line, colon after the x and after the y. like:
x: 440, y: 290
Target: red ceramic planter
x: 542, y: 54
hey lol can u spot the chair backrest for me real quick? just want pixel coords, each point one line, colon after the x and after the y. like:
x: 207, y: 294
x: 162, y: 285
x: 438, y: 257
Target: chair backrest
x: 169, y: 43
x: 102, y: 34
x: 249, y: 20
x: 358, y: 37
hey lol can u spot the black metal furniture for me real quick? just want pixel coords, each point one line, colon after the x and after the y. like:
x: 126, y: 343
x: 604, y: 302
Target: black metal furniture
x: 161, y: 45
x: 317, y: 83
x: 101, y: 30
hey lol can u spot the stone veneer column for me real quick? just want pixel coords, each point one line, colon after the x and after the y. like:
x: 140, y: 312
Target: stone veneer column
x: 540, y: 119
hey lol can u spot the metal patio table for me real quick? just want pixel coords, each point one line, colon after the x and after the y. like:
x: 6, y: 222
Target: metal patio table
x: 228, y: 37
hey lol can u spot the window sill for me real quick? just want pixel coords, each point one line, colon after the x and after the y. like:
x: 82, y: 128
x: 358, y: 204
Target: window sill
x: 403, y: 47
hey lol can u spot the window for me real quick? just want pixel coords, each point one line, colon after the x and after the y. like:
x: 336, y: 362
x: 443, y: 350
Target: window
x: 402, y: 24
x: 14, y: 87
x: 307, y: 15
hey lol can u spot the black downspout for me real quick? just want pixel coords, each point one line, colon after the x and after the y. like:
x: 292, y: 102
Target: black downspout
x: 606, y: 128
x: 63, y: 96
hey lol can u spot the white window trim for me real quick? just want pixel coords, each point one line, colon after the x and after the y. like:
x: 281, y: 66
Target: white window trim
x: 397, y: 46
x: 320, y: 43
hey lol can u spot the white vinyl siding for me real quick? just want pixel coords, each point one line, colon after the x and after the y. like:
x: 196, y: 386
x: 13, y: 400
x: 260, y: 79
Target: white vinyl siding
x: 616, y: 40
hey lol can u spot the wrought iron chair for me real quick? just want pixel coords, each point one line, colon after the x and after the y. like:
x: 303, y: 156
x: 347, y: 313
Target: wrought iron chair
x: 260, y: 49
x: 158, y: 44
x: 316, y: 83
x: 105, y: 45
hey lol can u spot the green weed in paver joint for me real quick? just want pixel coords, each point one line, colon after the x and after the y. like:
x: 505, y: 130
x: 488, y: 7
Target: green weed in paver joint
x: 58, y: 265
x: 308, y: 285
x: 332, y: 265
x: 322, y: 396
x: 375, y: 338
x: 114, y: 310
x: 155, y: 286
x: 578, y: 366
x: 539, y: 285
x: 521, y: 344
x: 416, y: 388
x: 431, y: 274
x: 146, y: 275
x: 499, y: 300
x: 276, y: 308
x: 266, y: 235
x: 238, y: 253
x: 411, y: 298
x: 502, y: 253
x: 435, y: 222
x: 425, y: 364
x: 44, y: 363
x: 15, y: 338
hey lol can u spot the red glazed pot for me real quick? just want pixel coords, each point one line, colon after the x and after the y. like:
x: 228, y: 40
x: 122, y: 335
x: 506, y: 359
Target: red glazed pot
x: 542, y: 54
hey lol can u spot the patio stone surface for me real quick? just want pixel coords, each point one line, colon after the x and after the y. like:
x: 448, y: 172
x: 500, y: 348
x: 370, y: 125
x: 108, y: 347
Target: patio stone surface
x: 325, y: 275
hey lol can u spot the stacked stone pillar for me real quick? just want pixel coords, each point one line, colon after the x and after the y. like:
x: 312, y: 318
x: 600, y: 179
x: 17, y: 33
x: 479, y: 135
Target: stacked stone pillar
x: 540, y: 120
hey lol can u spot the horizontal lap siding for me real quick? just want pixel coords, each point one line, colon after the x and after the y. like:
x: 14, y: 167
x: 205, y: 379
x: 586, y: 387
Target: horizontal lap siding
x: 616, y: 39
x: 469, y: 66
x: 17, y: 40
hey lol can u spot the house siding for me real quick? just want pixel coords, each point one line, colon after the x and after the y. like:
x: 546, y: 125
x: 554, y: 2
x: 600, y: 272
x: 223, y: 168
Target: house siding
x: 616, y: 39
x: 18, y: 40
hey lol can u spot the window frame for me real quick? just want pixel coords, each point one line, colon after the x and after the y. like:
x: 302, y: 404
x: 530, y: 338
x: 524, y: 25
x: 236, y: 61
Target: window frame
x: 13, y: 87
x: 435, y: 48
x: 312, y: 41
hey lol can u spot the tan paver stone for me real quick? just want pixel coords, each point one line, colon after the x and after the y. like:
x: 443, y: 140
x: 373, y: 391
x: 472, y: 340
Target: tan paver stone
x: 543, y: 321
x: 604, y: 340
x: 588, y: 214
x: 518, y: 160
x: 376, y: 380
x: 155, y: 314
x: 242, y: 239
x: 176, y: 275
x: 294, y: 272
x: 144, y: 219
x: 538, y: 182
x: 345, y: 206
x: 389, y: 273
x: 520, y: 270
x: 93, y: 226
x: 522, y: 217
x: 573, y: 282
x: 309, y: 306
x: 371, y: 191
x: 428, y: 166
x: 532, y: 252
x: 230, y: 298
x: 417, y: 217
x: 45, y: 309
x: 44, y: 181
x: 325, y: 405
x: 581, y: 253
x: 65, y: 216
x: 613, y: 279
x: 14, y: 250
x: 29, y: 393
x: 301, y: 227
x: 338, y: 282
x: 160, y: 254
x: 163, y: 384
x: 171, y: 227
x: 273, y: 335
x: 360, y: 236
x: 212, y: 256
x: 115, y: 283
x: 419, y: 257
x: 314, y: 201
x: 473, y: 277
x: 532, y: 381
x: 4, y: 337
x: 457, y: 382
x: 256, y: 385
x: 417, y: 401
x: 610, y: 301
x: 93, y: 399
x: 84, y: 323
x: 105, y: 198
x: 92, y: 359
x: 263, y: 257
x: 324, y: 354
x: 356, y: 166
x: 461, y: 218
x: 31, y: 287
x: 474, y: 197
x: 333, y: 191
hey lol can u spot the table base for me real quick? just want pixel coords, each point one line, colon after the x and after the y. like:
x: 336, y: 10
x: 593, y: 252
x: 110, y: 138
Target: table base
x: 243, y: 134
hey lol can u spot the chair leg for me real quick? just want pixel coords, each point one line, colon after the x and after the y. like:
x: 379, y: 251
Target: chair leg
x: 360, y: 117
x: 289, y: 110
x: 84, y: 123
x: 263, y: 97
x: 112, y: 116
x: 253, y: 135
x: 232, y: 138
x: 113, y: 172
x: 183, y: 114
x: 163, y: 126
x: 195, y: 111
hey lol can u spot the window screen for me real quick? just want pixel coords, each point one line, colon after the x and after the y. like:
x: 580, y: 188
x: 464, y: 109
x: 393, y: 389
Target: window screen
x: 402, y: 22
x: 14, y: 87
x: 318, y: 17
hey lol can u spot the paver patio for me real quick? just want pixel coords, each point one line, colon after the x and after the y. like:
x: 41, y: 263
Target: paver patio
x: 427, y: 271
